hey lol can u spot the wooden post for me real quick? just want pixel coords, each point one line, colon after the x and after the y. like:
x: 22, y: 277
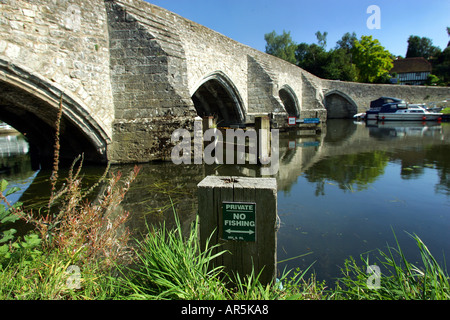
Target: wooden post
x: 241, y: 214
x: 198, y: 140
x: 208, y: 123
x: 262, y: 127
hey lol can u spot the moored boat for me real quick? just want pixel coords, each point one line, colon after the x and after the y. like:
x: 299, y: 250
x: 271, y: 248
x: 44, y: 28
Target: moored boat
x: 6, y: 128
x: 393, y: 109
x: 376, y: 105
x: 405, y: 112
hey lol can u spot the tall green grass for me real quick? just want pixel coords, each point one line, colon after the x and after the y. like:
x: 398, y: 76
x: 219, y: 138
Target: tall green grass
x: 46, y: 277
x: 400, y: 279
x: 168, y: 264
x: 172, y: 266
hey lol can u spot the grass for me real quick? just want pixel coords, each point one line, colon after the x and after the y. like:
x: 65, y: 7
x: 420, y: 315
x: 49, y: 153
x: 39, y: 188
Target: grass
x: 446, y: 110
x: 90, y: 238
x: 45, y: 277
x: 402, y: 280
x: 81, y: 250
x: 166, y: 265
x: 70, y: 234
x: 170, y: 266
x: 184, y: 273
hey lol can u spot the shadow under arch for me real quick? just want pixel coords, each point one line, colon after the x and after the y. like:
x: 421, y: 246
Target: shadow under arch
x: 30, y: 104
x: 290, y: 101
x: 217, y: 96
x: 339, y: 105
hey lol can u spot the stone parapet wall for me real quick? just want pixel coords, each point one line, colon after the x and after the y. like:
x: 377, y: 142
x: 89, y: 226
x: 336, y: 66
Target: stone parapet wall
x: 362, y: 93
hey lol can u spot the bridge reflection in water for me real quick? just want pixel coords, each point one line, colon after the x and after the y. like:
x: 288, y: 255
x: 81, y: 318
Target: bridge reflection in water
x: 339, y: 193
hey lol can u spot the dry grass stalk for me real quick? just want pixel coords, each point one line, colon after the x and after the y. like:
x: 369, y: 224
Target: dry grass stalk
x: 84, y: 230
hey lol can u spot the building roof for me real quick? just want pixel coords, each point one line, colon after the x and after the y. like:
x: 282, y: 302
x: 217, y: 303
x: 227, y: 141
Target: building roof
x: 406, y: 65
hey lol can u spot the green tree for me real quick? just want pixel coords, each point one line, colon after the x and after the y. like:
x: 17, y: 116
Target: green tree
x: 432, y: 80
x: 281, y: 46
x: 441, y: 65
x: 448, y: 32
x: 347, y: 42
x: 322, y: 38
x: 421, y: 47
x: 372, y: 60
x: 335, y: 64
x: 340, y: 66
x: 312, y: 58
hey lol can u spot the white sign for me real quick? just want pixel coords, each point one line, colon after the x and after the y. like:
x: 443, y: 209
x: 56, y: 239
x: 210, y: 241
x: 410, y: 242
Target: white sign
x: 292, y: 121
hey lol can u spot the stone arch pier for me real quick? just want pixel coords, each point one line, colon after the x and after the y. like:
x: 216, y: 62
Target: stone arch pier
x: 217, y: 96
x: 339, y: 105
x: 31, y: 104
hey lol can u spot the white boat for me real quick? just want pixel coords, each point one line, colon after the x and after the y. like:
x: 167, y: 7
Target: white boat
x: 405, y: 112
x: 387, y: 109
x: 6, y: 128
x: 376, y: 105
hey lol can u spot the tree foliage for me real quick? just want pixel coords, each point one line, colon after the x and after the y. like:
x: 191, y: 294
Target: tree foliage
x: 346, y: 42
x: 281, y: 46
x: 353, y: 59
x: 440, y: 60
x: 441, y: 65
x: 421, y: 47
x: 322, y: 38
x: 335, y: 64
x: 372, y: 60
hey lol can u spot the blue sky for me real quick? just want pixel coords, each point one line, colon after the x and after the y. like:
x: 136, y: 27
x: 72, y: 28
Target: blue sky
x: 247, y: 21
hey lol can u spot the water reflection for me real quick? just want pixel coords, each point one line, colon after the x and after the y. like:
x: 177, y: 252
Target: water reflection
x: 15, y: 164
x: 340, y: 193
x: 364, y: 182
x: 351, y: 172
x: 386, y: 131
x: 12, y: 144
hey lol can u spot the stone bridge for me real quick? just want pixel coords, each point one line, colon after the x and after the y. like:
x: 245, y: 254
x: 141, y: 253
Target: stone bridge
x: 127, y: 73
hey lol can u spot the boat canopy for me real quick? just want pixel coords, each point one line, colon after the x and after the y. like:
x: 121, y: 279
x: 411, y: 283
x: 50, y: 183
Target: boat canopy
x: 383, y: 100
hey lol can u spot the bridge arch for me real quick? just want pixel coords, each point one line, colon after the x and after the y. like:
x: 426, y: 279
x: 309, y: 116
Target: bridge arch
x: 339, y: 105
x: 30, y: 104
x: 290, y: 101
x: 217, y: 96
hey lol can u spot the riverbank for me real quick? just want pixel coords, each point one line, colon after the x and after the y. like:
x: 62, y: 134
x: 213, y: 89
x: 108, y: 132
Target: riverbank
x: 82, y: 251
x: 446, y: 114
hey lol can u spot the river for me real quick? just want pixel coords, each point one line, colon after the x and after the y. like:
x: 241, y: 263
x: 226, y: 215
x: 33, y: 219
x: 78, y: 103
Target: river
x: 340, y: 193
